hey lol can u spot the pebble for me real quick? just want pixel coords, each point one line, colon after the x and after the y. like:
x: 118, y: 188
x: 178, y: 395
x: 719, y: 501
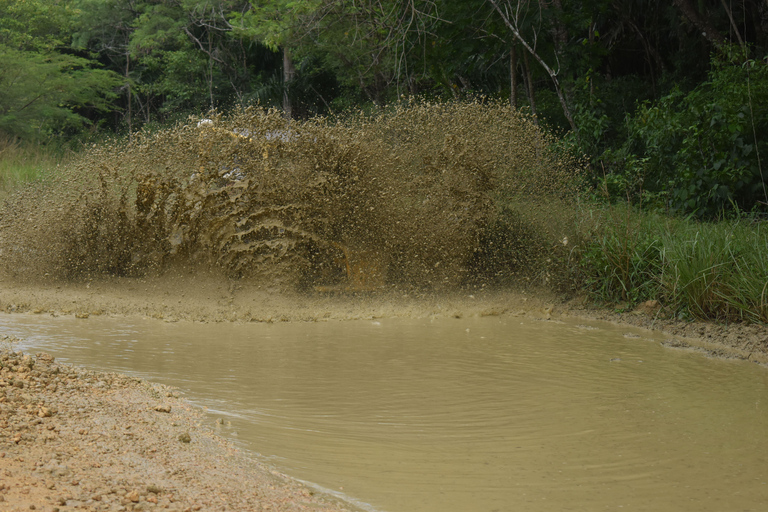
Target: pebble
x: 64, y: 430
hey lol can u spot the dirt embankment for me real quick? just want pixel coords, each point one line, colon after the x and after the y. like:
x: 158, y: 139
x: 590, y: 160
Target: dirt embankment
x: 76, y: 439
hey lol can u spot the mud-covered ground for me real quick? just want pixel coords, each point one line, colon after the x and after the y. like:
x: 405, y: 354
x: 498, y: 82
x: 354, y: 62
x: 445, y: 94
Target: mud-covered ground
x: 71, y: 438
x: 76, y: 439
x: 735, y: 340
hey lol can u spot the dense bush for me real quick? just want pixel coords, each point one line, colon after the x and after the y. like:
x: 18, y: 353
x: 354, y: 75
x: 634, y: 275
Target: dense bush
x: 700, y: 152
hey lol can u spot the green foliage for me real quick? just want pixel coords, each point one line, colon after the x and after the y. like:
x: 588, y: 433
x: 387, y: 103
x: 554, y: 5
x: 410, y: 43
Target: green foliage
x: 702, y: 149
x: 22, y: 162
x: 716, y: 271
x: 43, y: 93
x: 42, y: 90
x: 34, y: 25
x: 273, y: 22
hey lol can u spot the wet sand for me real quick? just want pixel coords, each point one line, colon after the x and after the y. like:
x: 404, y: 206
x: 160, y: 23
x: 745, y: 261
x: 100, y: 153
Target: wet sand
x: 71, y: 438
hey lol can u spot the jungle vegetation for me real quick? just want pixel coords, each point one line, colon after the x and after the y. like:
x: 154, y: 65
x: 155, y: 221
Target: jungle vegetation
x: 667, y: 101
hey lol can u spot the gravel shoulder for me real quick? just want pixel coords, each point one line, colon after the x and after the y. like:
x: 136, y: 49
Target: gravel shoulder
x: 76, y: 439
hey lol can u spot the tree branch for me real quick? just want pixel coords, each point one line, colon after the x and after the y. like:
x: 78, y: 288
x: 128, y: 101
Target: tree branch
x: 552, y: 73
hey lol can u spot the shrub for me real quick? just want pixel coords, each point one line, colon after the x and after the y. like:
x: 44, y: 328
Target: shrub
x: 702, y: 150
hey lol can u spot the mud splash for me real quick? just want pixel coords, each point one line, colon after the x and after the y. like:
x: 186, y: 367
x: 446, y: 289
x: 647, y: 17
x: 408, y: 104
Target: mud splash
x: 431, y: 196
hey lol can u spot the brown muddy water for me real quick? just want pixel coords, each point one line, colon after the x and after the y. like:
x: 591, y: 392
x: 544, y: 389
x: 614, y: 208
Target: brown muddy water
x: 474, y: 414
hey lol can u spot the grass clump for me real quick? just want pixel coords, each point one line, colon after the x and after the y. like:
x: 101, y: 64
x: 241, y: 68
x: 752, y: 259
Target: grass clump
x: 622, y: 258
x: 716, y: 271
x: 21, y: 163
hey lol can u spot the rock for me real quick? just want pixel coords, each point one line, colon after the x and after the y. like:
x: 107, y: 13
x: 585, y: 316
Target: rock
x: 649, y: 307
x: 185, y: 437
x: 163, y: 408
x: 133, y: 496
x: 56, y: 470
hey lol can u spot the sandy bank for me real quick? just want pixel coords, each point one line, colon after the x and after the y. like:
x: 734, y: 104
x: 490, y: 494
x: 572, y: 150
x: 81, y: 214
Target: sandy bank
x: 76, y: 439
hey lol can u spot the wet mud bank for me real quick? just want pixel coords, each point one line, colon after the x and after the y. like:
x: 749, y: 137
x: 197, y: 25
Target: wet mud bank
x: 744, y: 341
x: 77, y: 439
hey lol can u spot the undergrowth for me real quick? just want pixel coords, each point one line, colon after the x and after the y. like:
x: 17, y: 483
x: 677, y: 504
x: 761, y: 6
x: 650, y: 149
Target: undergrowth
x: 716, y: 271
x: 22, y: 162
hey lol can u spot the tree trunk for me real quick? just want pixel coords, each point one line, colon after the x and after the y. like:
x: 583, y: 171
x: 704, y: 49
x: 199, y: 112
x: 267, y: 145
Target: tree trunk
x: 130, y: 99
x: 289, y: 71
x: 560, y: 30
x: 210, y: 69
x: 529, y: 84
x: 552, y: 73
x: 700, y: 22
x: 513, y: 77
x: 733, y: 24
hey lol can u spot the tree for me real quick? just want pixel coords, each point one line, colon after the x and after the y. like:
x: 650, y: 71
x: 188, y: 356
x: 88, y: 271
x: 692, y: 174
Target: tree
x: 44, y: 90
x: 272, y: 23
x: 510, y: 14
x: 175, y: 55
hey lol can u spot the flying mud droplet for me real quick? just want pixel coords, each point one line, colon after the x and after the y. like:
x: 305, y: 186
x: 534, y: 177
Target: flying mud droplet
x: 425, y: 195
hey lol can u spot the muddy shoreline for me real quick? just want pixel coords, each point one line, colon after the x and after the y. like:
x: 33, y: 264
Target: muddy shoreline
x: 72, y: 438
x: 209, y: 297
x: 77, y: 439
x: 744, y: 341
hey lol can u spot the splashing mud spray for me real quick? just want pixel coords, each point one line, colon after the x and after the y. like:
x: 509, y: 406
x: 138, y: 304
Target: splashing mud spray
x: 419, y: 196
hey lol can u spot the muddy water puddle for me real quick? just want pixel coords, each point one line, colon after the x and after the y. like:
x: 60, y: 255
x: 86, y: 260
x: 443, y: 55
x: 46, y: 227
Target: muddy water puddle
x: 472, y: 414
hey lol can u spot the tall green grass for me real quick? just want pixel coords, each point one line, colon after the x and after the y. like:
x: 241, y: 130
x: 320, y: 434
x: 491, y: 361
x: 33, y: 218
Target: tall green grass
x: 22, y: 162
x: 718, y: 271
x: 622, y: 258
x: 715, y: 271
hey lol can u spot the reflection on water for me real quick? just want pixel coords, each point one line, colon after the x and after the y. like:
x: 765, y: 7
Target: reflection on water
x: 474, y: 414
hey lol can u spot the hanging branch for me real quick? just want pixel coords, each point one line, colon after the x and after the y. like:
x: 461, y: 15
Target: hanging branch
x: 552, y: 73
x: 733, y: 25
